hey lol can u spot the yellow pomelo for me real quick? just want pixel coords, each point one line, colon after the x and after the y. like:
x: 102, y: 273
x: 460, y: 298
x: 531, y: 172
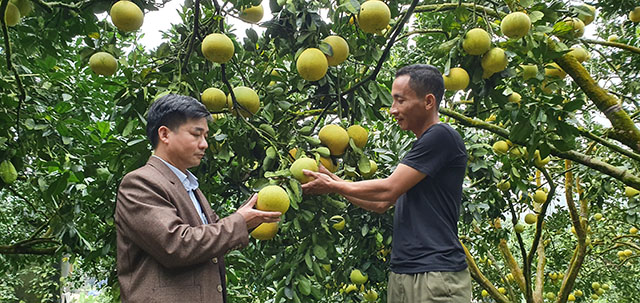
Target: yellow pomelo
x: 634, y: 15
x: 357, y: 277
x: 514, y: 98
x: 579, y: 53
x: 276, y: 74
x: 126, y: 16
x: 214, y: 99
x: 587, y: 19
x: 529, y: 71
x: 633, y: 230
x: 457, y: 79
x: 515, y: 25
x: 374, y: 16
x: 312, y: 64
x: 300, y: 164
x: 253, y: 14
x: 553, y: 70
x: 530, y: 218
x: 373, y: 168
x: 500, y: 147
x: 265, y: 231
x: 273, y: 198
x: 476, y: 42
x: 328, y: 164
x: 8, y: 172
x: 340, y: 50
x: 613, y: 38
x: 103, y: 63
x: 246, y: 97
x: 495, y: 60
x: 335, y: 138
x: 630, y: 192
x: 11, y: 15
x: 540, y: 196
x: 24, y: 6
x: 577, y: 27
x: 217, y: 48
x: 340, y: 222
x: 358, y: 134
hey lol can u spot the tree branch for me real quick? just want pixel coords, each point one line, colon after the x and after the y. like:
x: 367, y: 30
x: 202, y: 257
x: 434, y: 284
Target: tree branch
x: 625, y: 130
x: 623, y: 46
x: 477, y: 275
x: 194, y: 34
x: 608, y: 144
x: 540, y: 221
x: 27, y: 247
x: 452, y: 6
x: 618, y: 173
x: 525, y: 265
x: 396, y: 30
x: 7, y: 47
x: 425, y: 31
x: 512, y: 265
x: 578, y: 255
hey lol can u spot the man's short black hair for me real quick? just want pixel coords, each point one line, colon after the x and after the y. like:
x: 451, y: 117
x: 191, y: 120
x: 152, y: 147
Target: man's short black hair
x: 424, y: 79
x: 172, y: 111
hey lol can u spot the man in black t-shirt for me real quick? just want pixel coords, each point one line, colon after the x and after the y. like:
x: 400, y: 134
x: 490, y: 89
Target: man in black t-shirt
x: 427, y: 260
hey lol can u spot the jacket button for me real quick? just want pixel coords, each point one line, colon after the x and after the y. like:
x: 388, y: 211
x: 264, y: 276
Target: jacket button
x: 214, y: 260
x: 219, y: 288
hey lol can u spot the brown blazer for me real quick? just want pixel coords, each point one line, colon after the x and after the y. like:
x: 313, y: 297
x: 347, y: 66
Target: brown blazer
x: 165, y: 253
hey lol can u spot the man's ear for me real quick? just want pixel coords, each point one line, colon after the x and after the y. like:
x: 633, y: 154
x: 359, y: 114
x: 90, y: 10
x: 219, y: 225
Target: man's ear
x: 430, y: 101
x: 163, y: 134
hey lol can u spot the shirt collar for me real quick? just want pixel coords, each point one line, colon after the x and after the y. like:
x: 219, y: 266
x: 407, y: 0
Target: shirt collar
x: 189, y: 180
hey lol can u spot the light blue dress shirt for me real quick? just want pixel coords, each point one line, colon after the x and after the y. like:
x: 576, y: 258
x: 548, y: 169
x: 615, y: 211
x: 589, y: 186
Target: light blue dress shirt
x: 190, y: 183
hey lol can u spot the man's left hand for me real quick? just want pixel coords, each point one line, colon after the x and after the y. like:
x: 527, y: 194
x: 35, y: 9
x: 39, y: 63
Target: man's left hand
x: 321, y: 184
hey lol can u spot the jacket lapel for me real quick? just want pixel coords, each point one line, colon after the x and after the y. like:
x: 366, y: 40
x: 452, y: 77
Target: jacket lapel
x: 182, y: 200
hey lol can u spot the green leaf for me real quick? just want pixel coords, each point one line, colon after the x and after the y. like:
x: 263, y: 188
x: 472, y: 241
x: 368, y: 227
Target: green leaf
x: 308, y: 261
x: 351, y: 6
x: 521, y: 131
x: 365, y: 230
x: 364, y: 165
x: 252, y: 35
x: 535, y: 16
x: 319, y: 252
x: 326, y: 48
x: 304, y: 286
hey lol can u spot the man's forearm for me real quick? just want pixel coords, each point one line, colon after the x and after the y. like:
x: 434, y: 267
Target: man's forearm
x: 370, y: 190
x: 375, y: 206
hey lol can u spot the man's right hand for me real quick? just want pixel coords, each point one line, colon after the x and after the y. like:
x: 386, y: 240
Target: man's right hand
x: 254, y: 217
x: 324, y: 170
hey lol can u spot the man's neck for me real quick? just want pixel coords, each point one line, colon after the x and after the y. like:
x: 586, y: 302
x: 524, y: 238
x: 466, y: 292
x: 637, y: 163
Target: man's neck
x: 164, y: 156
x: 431, y: 121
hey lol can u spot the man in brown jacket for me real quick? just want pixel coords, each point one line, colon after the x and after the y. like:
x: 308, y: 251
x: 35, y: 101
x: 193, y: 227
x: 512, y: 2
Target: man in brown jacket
x: 170, y: 242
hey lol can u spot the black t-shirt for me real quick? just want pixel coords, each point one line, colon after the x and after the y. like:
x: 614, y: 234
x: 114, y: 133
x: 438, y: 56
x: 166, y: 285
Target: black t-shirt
x: 425, y: 231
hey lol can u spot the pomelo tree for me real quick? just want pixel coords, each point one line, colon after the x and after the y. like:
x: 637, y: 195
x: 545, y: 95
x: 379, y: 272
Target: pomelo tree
x: 568, y: 119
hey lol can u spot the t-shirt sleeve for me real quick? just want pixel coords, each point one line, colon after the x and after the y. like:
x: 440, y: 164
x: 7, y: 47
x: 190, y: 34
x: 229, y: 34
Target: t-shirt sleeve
x: 431, y: 152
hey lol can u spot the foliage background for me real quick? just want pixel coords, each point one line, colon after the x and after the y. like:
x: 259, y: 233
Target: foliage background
x: 72, y: 135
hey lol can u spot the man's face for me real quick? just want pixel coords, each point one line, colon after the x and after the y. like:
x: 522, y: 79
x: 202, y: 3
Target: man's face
x: 408, y: 109
x: 187, y: 144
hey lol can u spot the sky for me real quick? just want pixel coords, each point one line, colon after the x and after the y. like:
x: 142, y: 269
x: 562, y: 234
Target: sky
x: 155, y: 22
